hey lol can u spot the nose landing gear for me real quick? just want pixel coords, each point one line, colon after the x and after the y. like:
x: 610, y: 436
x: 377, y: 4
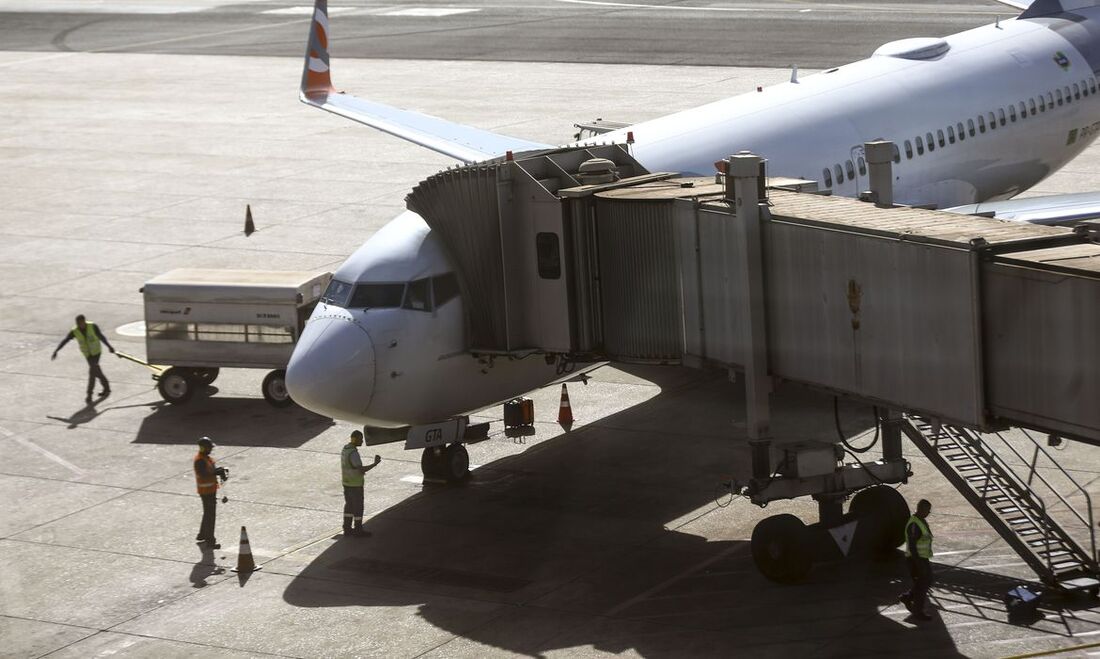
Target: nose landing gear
x: 450, y: 464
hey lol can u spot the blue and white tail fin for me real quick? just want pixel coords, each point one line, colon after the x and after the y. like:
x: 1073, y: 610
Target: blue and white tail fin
x: 464, y: 143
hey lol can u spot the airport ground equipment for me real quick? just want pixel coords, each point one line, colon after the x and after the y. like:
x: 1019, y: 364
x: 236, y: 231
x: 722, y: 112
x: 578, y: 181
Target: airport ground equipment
x: 581, y: 254
x: 198, y: 321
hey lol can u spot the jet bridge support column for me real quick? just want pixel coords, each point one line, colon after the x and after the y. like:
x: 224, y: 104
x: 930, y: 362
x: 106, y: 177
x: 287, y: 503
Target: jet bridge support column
x: 744, y: 175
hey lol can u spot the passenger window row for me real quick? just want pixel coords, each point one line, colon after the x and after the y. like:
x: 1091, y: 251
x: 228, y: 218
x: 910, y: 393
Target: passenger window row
x: 943, y: 137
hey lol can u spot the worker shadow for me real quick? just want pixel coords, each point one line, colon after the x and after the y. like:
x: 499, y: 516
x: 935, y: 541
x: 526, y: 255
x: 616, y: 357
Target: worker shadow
x: 232, y: 422
x: 204, y: 568
x: 610, y: 537
x: 78, y: 418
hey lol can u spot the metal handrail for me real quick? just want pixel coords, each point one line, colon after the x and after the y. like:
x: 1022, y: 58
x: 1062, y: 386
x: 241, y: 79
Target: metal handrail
x: 1005, y: 471
x: 1090, y: 523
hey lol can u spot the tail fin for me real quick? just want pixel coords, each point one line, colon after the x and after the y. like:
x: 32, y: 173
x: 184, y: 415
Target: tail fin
x: 315, y: 72
x: 1052, y: 7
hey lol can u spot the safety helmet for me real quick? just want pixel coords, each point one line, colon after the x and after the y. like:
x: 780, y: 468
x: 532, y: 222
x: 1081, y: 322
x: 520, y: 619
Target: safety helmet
x: 206, y: 443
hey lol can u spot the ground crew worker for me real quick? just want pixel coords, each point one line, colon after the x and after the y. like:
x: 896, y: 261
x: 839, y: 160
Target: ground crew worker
x: 352, y: 470
x: 918, y: 551
x: 88, y: 337
x: 206, y: 480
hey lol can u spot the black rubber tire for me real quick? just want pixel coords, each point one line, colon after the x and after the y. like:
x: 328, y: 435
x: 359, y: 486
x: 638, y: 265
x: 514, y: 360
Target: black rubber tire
x: 456, y: 464
x: 431, y: 463
x: 274, y: 389
x: 176, y: 385
x: 781, y: 549
x: 882, y: 513
x: 206, y: 376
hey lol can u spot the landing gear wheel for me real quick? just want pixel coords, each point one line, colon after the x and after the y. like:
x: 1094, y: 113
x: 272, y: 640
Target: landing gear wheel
x: 451, y: 464
x: 456, y: 463
x: 882, y: 513
x: 205, y: 376
x: 274, y: 388
x: 175, y: 385
x: 781, y: 549
x: 431, y: 461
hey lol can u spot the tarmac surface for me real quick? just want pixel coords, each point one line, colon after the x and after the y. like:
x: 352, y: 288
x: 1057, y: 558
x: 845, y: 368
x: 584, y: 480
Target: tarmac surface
x: 613, y: 538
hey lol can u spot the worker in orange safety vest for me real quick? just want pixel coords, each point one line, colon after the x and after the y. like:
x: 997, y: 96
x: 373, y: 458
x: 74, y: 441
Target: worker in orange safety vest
x: 206, y: 481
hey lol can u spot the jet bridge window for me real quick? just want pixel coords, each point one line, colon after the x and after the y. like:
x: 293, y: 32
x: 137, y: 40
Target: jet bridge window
x: 377, y: 296
x: 827, y: 177
x: 920, y: 147
x: 418, y: 295
x: 951, y: 134
x: 337, y: 293
x: 549, y: 255
x: 939, y: 138
x: 444, y: 289
x: 1001, y: 116
x: 908, y: 150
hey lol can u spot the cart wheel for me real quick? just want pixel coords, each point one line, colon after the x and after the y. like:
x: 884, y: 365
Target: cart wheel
x: 205, y: 376
x: 274, y: 389
x: 175, y: 386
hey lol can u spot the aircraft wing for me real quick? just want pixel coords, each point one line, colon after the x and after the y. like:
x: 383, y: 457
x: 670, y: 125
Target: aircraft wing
x: 465, y: 143
x: 1050, y: 209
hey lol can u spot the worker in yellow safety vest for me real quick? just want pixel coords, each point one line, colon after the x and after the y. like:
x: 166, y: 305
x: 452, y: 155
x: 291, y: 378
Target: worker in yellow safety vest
x: 88, y: 336
x: 206, y: 482
x: 351, y: 472
x: 918, y: 551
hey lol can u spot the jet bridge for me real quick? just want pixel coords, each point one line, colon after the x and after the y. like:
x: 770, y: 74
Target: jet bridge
x: 966, y: 323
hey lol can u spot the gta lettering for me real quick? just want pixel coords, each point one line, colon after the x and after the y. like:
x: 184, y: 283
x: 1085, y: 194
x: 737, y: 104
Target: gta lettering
x: 433, y: 436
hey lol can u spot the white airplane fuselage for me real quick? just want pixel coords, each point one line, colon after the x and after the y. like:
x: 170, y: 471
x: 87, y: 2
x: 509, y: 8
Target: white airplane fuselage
x: 391, y: 366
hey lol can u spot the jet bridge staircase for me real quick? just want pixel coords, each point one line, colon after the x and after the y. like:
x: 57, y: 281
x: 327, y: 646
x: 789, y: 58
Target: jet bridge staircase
x: 1010, y: 503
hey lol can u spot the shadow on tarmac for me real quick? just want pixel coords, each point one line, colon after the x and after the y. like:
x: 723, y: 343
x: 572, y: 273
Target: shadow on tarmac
x: 567, y: 541
x: 230, y: 422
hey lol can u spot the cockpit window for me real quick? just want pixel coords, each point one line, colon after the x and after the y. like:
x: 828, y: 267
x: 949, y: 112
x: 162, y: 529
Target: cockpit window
x: 418, y: 295
x: 445, y: 288
x: 337, y: 293
x: 376, y: 296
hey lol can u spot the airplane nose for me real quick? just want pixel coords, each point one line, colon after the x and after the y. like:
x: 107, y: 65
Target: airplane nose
x: 332, y: 369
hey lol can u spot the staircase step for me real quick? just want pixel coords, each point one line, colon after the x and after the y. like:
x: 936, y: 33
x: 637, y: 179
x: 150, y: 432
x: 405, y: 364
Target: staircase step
x: 1019, y: 520
x: 1066, y: 565
x: 1054, y: 553
x: 1080, y: 583
x: 995, y: 500
x: 1004, y: 510
x: 958, y: 457
x: 1027, y: 531
x: 968, y: 467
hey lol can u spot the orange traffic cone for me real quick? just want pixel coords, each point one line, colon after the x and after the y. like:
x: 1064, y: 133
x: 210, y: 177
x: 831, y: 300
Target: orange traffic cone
x: 249, y: 225
x: 565, y: 412
x: 244, y: 555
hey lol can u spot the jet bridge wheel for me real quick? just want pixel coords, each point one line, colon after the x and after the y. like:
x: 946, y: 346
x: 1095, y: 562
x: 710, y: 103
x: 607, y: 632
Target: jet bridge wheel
x: 781, y: 548
x: 882, y: 513
x: 274, y: 388
x: 451, y: 464
x: 176, y: 385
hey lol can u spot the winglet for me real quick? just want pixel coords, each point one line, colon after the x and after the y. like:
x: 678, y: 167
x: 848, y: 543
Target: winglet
x: 315, y: 72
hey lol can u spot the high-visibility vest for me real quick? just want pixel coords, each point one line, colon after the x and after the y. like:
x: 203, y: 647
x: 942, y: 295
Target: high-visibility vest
x: 924, y: 542
x: 206, y: 484
x: 351, y: 475
x: 88, y: 340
